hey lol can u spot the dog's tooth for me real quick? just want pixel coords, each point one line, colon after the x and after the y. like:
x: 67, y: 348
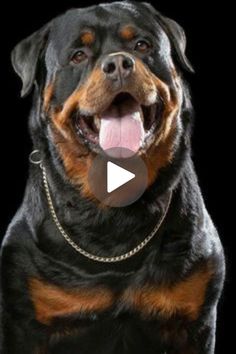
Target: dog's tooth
x: 151, y: 99
x: 138, y: 115
x: 97, y: 122
x: 142, y: 115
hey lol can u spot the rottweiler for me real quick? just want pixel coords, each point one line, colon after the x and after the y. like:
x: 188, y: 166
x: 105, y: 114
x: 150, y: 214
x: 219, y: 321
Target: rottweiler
x: 81, y: 277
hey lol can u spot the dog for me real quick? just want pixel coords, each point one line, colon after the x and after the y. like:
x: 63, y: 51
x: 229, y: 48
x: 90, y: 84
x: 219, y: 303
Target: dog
x: 78, y: 276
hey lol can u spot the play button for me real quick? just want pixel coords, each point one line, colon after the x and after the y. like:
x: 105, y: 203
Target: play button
x: 117, y: 176
x: 117, y: 182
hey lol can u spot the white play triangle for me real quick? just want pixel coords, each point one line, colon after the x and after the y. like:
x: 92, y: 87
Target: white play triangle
x: 117, y: 176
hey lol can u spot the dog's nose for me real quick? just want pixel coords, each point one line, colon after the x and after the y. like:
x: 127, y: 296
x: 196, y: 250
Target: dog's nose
x: 118, y: 66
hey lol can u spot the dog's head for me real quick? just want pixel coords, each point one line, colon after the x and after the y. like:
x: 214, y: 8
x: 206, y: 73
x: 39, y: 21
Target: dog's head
x: 107, y: 76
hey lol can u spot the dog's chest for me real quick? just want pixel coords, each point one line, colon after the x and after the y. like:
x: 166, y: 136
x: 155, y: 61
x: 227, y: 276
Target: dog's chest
x: 52, y: 303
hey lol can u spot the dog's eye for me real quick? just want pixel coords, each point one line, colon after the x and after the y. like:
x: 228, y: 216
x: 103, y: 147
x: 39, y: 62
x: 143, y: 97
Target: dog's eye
x: 142, y: 46
x: 78, y: 57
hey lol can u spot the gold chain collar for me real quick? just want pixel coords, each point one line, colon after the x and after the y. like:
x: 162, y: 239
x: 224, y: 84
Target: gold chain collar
x: 68, y: 239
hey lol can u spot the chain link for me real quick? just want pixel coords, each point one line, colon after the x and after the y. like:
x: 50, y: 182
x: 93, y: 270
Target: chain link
x: 90, y: 255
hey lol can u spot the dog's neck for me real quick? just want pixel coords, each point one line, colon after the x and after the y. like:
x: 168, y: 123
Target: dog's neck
x: 105, y: 231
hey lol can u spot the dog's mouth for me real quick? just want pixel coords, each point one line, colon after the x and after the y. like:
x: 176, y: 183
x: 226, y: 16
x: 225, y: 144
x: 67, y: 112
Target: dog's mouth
x: 124, y: 124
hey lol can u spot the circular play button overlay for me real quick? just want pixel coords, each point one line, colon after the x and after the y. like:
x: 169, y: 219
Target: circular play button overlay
x: 117, y: 177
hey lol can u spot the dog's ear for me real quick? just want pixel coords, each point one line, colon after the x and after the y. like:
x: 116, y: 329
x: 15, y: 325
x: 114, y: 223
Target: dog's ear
x: 25, y: 57
x: 176, y: 36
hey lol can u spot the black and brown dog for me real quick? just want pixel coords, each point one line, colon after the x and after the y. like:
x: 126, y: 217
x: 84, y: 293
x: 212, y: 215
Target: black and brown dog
x: 162, y: 299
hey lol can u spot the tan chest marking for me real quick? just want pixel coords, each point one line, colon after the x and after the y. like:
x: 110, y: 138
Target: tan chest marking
x: 51, y: 301
x: 185, y: 297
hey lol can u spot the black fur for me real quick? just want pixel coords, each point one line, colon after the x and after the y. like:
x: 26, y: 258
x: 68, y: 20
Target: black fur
x: 32, y: 246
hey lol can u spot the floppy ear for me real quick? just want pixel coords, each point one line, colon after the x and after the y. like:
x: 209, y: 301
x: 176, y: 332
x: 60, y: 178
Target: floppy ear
x: 176, y: 36
x: 25, y: 57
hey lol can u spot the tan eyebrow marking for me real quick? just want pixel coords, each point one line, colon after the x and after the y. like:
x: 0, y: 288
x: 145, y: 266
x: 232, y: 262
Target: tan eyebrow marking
x: 127, y: 32
x: 87, y: 38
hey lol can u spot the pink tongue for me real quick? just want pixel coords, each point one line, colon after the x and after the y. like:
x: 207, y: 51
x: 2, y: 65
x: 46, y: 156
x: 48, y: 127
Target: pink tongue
x: 121, y: 130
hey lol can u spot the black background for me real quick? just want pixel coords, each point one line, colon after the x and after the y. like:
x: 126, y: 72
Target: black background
x: 209, y: 53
